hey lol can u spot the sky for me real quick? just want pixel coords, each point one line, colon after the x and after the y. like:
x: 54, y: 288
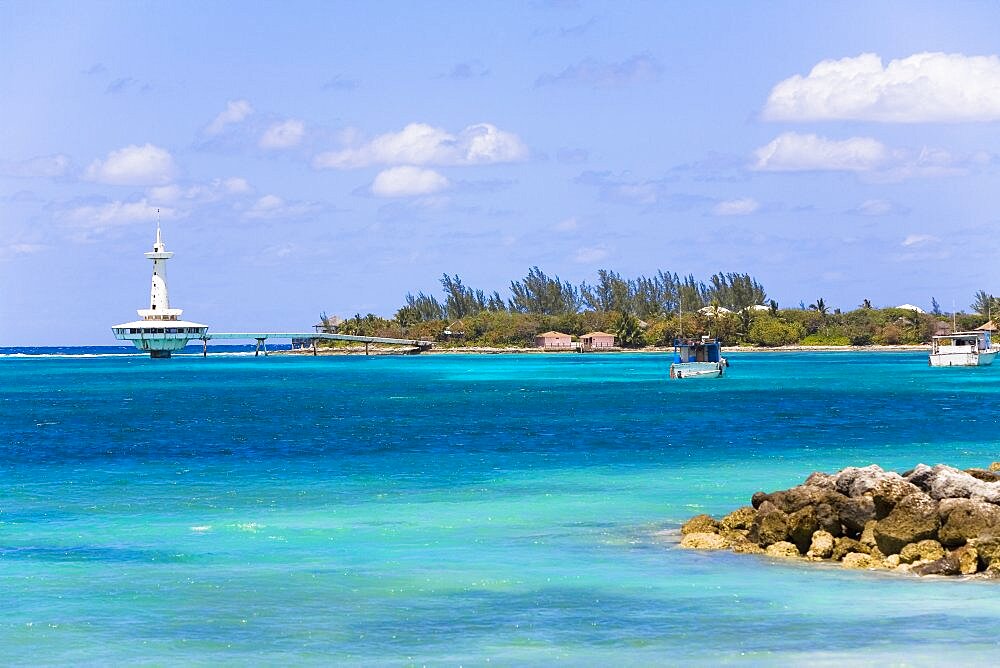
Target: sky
x: 332, y: 156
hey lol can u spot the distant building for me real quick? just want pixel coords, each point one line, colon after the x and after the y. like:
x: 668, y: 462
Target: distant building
x: 554, y: 341
x: 330, y: 326
x: 988, y: 327
x: 911, y: 307
x: 597, y: 340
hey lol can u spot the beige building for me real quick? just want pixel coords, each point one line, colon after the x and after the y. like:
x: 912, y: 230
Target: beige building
x: 554, y: 341
x: 597, y: 340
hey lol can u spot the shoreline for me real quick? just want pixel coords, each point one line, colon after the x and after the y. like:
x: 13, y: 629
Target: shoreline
x: 489, y: 350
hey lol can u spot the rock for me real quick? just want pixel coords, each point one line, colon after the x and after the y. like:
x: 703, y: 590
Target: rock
x: 968, y: 559
x: 857, y: 560
x: 769, y: 527
x: 821, y: 546
x: 892, y: 561
x: 740, y: 544
x: 854, y: 482
x: 965, y: 519
x: 946, y: 482
x: 888, y: 492
x: 828, y: 519
x: 988, y: 550
x: 822, y: 480
x: 704, y: 541
x: 802, y: 525
x: 783, y: 549
x: 844, y: 546
x: 868, y: 535
x: 700, y: 524
x: 925, y: 550
x: 984, y: 475
x: 855, y: 512
x: 946, y: 565
x: 995, y: 466
x: 741, y: 518
x: 914, y: 518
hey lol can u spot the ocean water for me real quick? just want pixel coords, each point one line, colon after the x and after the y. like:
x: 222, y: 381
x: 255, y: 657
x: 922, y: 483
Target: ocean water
x: 449, y: 510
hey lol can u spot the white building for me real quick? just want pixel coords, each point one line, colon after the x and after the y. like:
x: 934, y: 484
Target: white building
x: 159, y: 329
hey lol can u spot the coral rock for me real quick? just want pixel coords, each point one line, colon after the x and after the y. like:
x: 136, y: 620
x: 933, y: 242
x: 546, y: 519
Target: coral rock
x: 769, y: 527
x: 704, y: 541
x: 965, y: 519
x: 913, y: 519
x: 783, y: 549
x: 946, y: 565
x: 857, y: 560
x: 968, y: 559
x: 854, y: 513
x: 925, y: 550
x: 741, y: 518
x: 802, y: 524
x: 821, y: 546
x: 844, y: 546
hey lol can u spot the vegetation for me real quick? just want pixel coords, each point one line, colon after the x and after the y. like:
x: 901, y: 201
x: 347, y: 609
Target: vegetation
x: 649, y: 311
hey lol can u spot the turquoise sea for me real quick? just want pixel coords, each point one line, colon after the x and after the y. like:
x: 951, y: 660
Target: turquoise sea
x: 449, y: 510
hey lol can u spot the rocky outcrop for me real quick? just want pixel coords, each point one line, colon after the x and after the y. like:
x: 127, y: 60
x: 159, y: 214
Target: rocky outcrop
x: 931, y: 520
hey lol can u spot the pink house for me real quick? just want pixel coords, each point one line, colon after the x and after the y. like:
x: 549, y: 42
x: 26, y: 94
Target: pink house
x: 597, y: 340
x: 554, y: 341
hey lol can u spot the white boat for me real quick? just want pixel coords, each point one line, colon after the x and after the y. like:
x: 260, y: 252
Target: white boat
x: 962, y: 349
x: 698, y: 359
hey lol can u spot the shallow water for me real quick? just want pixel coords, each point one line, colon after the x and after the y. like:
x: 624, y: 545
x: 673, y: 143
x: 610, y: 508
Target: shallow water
x: 459, y: 509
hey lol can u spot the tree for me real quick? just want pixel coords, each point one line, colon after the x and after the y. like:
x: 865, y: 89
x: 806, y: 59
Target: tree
x: 935, y: 307
x: 984, y: 303
x: 866, y: 304
x: 539, y: 294
x: 627, y: 332
x: 736, y: 291
x: 461, y: 301
x: 820, y: 307
x: 421, y: 308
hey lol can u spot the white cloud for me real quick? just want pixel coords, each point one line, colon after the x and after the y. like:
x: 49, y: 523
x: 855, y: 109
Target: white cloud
x: 422, y: 144
x: 111, y: 214
x: 736, y: 207
x: 133, y: 165
x: 919, y: 240
x: 49, y: 166
x: 875, y: 207
x: 588, y: 255
x: 924, y: 87
x: 211, y: 191
x: 236, y: 112
x: 272, y: 206
x: 407, y: 181
x: 791, y: 152
x: 285, y: 134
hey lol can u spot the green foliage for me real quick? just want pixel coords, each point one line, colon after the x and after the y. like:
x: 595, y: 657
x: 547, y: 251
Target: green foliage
x: 627, y: 332
x: 735, y: 291
x: 985, y: 304
x: 768, y: 330
x: 460, y: 300
x: 829, y: 339
x: 538, y: 293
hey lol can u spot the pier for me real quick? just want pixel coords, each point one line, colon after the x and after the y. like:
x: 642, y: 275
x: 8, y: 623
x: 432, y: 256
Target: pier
x: 262, y: 337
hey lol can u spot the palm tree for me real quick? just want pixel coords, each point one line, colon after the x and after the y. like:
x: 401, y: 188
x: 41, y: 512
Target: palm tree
x: 866, y: 304
x: 820, y: 307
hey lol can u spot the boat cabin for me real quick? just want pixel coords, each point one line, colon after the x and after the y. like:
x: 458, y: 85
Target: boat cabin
x: 960, y: 342
x: 704, y: 350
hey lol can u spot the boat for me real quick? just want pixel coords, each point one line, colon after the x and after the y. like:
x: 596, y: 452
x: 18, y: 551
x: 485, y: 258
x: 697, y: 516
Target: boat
x: 698, y: 359
x: 962, y: 349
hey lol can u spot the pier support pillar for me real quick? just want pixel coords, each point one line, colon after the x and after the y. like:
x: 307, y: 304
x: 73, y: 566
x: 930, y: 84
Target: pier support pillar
x: 314, y: 347
x: 204, y: 347
x: 366, y: 347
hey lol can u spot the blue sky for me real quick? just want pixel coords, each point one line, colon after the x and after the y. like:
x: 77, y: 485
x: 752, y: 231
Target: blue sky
x: 329, y: 156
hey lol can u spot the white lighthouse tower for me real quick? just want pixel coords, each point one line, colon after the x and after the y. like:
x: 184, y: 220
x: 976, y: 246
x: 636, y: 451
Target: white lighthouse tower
x: 159, y: 329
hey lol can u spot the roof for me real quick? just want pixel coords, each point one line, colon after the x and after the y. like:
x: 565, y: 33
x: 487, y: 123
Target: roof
x: 911, y: 307
x: 988, y: 327
x: 760, y: 307
x: 599, y: 334
x: 554, y: 334
x: 711, y: 310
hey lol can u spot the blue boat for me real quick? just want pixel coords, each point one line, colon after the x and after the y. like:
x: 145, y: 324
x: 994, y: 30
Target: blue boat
x: 698, y: 359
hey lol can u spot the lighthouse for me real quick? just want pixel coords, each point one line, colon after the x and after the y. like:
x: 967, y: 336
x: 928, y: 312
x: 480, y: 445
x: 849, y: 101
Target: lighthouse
x: 159, y: 329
